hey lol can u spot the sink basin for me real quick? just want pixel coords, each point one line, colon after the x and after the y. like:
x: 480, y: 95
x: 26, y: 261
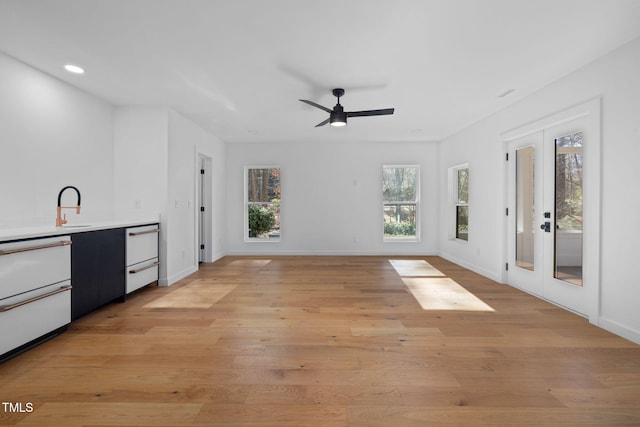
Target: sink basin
x: 76, y: 226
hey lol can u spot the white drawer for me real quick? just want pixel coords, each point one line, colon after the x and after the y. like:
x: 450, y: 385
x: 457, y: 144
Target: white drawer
x: 32, y: 264
x: 142, y: 243
x: 34, y: 319
x: 141, y: 274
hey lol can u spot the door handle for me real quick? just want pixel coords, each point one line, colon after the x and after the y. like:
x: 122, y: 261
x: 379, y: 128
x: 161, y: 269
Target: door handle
x: 546, y: 227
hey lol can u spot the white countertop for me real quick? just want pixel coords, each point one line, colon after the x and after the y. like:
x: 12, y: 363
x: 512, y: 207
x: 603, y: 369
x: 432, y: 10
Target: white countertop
x: 43, y: 231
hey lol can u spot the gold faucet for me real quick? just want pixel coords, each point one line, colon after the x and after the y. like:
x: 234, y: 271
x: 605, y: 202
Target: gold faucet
x: 63, y: 219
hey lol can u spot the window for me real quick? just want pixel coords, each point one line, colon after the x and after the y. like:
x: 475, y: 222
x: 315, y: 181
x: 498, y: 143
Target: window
x: 460, y: 186
x: 400, y: 194
x: 262, y: 204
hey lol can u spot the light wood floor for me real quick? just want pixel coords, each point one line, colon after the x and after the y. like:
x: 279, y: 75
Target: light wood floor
x: 328, y: 341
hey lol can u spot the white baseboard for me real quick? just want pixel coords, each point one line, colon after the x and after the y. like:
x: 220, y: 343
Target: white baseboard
x: 168, y: 281
x: 328, y: 253
x: 483, y: 272
x: 216, y: 256
x: 618, y: 329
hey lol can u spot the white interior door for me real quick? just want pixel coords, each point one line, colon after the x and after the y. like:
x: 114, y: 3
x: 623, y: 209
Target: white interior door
x: 549, y: 181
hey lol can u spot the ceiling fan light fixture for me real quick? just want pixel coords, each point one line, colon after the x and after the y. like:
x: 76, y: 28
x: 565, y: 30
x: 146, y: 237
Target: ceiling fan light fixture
x: 338, y: 118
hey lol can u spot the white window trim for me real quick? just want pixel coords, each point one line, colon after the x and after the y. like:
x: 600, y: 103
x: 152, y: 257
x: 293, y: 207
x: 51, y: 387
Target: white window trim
x: 248, y: 239
x: 453, y: 200
x: 418, y: 208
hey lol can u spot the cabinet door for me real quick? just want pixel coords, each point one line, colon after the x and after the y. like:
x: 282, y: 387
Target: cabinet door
x: 85, y: 295
x: 97, y: 269
x: 112, y: 259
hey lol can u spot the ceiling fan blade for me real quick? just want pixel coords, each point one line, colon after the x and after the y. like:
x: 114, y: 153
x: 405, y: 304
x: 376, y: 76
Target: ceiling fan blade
x: 382, y: 112
x: 315, y: 105
x: 322, y: 123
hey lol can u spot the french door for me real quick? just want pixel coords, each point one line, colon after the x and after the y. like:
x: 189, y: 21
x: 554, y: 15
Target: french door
x: 553, y: 210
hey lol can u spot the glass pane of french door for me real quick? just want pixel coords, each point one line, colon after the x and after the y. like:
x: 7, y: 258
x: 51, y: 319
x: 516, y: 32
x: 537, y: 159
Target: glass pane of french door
x: 525, y: 208
x: 568, y: 208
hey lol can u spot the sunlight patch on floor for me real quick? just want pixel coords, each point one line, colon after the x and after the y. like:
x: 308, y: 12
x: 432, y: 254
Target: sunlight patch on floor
x: 200, y: 293
x: 250, y: 262
x: 436, y: 293
x: 415, y: 268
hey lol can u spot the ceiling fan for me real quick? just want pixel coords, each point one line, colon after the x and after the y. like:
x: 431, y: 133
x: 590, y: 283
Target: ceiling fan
x: 338, y: 117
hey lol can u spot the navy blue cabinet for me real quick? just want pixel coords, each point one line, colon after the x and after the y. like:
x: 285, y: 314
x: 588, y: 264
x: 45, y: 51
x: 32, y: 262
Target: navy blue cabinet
x: 97, y: 269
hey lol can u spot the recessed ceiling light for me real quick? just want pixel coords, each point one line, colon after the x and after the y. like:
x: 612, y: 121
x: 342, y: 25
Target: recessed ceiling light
x: 74, y: 69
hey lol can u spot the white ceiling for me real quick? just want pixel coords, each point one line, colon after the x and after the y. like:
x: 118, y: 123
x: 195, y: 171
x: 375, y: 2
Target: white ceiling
x: 238, y: 67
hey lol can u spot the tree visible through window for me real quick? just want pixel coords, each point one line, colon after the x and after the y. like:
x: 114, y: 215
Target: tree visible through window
x: 569, y: 182
x: 462, y: 204
x: 263, y: 203
x: 400, y: 202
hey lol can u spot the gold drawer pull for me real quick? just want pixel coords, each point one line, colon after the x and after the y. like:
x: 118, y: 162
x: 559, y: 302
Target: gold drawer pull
x: 138, y: 270
x: 34, y: 248
x: 5, y: 308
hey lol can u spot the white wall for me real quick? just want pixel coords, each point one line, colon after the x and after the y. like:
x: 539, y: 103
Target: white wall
x: 331, y: 196
x: 141, y: 161
x: 616, y: 79
x: 51, y: 135
x: 186, y: 141
x: 141, y: 168
x: 482, y: 151
x: 155, y: 175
